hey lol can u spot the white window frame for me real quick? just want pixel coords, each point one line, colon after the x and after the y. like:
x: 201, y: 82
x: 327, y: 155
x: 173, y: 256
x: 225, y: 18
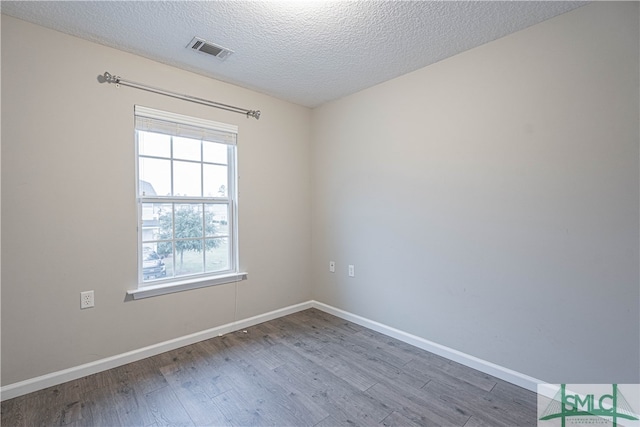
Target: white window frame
x: 180, y: 125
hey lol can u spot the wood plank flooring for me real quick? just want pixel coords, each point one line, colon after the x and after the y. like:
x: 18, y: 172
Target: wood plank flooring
x: 305, y: 369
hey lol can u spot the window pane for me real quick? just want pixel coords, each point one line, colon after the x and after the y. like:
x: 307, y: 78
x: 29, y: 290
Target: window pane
x: 189, y: 257
x: 157, y: 220
x: 154, y: 144
x: 215, y: 181
x: 153, y: 265
x: 216, y: 220
x: 186, y: 179
x: 214, y: 152
x: 155, y: 177
x: 186, y: 148
x: 217, y: 255
x: 188, y: 222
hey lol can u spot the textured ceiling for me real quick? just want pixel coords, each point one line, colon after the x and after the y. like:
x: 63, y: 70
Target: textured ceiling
x: 307, y: 52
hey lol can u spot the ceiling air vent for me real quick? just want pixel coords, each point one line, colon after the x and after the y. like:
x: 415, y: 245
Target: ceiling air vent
x: 204, y: 46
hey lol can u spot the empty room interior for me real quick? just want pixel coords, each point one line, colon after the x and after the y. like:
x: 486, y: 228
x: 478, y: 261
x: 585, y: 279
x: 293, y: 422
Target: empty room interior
x: 395, y: 213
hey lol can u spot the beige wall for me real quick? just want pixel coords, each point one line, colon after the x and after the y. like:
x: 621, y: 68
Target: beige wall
x: 489, y: 202
x: 69, y: 209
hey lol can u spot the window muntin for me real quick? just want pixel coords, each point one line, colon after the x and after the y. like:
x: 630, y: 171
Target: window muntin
x: 186, y: 196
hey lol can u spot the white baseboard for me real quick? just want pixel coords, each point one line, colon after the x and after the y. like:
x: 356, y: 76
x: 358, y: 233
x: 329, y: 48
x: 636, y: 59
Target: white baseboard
x: 497, y: 371
x: 38, y: 383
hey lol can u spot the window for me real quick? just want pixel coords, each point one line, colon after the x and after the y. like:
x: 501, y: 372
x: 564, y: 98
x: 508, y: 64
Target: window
x: 187, y: 204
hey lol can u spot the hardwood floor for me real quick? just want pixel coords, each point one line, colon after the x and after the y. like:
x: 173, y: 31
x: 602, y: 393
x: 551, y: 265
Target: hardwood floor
x: 305, y: 369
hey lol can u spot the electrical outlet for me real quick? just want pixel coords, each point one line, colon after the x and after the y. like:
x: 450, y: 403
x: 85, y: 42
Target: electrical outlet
x: 86, y: 300
x: 332, y: 266
x: 352, y: 271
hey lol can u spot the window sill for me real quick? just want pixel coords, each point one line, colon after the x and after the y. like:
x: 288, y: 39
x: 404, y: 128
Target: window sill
x: 185, y: 285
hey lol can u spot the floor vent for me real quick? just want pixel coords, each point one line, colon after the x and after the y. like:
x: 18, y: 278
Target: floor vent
x: 208, y: 48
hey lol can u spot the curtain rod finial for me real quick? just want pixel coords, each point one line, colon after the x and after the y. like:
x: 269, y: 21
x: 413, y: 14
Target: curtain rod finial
x: 110, y: 78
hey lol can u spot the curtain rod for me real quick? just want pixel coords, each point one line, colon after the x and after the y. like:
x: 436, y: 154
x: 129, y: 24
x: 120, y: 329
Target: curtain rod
x: 109, y: 78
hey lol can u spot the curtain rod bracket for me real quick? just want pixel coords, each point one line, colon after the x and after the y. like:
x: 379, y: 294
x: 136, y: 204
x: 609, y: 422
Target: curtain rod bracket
x: 117, y: 80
